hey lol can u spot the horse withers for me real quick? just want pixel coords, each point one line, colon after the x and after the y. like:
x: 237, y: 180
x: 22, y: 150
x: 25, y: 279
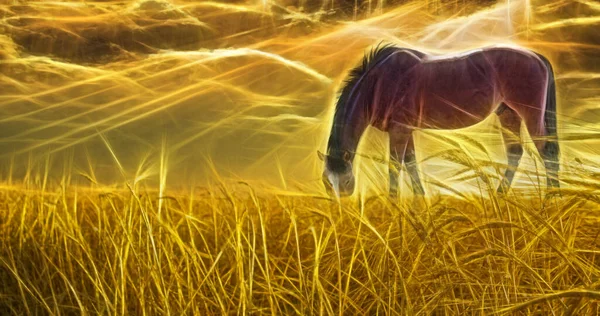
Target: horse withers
x: 398, y: 90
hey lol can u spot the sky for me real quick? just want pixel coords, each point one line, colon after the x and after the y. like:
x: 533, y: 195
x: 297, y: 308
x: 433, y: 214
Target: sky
x: 187, y: 93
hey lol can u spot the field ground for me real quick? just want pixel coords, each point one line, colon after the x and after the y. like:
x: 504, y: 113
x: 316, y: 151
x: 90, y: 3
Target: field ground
x: 230, y: 251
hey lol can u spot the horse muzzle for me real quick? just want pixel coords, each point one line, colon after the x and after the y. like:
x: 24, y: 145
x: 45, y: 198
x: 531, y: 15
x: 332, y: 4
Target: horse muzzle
x: 339, y: 186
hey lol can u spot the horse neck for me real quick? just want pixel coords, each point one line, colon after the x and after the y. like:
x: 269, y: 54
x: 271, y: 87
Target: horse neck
x: 349, y: 125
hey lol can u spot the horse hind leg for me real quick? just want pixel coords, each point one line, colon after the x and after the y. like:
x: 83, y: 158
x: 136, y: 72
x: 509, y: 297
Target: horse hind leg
x: 510, y: 122
x: 547, y: 145
x: 550, y: 150
x: 550, y: 154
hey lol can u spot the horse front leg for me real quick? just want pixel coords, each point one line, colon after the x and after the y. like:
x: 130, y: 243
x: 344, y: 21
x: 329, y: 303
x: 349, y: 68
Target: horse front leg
x: 398, y: 141
x: 411, y: 166
x: 394, y: 173
x: 402, y: 150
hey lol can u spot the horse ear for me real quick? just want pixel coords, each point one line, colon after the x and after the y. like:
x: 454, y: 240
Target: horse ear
x: 321, y: 155
x: 346, y: 156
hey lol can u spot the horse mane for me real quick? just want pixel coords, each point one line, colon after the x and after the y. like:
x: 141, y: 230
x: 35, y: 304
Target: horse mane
x: 370, y: 60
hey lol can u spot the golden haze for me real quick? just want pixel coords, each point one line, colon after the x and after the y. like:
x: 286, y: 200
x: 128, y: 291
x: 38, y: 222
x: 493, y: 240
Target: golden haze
x: 160, y: 157
x: 244, y: 91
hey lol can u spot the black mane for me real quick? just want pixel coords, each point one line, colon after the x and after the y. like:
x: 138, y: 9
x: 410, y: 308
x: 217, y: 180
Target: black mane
x: 370, y: 60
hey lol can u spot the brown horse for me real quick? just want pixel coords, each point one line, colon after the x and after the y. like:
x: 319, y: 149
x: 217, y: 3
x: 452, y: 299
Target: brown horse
x: 397, y: 90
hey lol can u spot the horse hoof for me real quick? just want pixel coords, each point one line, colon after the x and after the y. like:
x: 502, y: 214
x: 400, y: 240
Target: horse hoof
x: 501, y: 191
x: 552, y: 193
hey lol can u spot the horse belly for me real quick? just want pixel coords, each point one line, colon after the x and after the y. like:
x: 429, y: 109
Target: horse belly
x: 455, y: 109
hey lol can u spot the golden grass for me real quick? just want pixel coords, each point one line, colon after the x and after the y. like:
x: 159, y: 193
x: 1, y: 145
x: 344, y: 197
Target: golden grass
x: 222, y: 250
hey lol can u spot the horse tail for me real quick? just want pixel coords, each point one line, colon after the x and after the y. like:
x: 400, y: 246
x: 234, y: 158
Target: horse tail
x: 551, y: 149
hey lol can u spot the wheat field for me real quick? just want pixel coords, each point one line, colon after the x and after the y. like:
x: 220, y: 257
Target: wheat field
x: 158, y: 157
x: 234, y: 251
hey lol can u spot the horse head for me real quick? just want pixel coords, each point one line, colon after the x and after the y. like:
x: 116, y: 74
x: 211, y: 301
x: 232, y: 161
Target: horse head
x: 337, y: 176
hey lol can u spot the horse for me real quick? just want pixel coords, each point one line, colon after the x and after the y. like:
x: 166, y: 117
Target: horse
x: 398, y: 90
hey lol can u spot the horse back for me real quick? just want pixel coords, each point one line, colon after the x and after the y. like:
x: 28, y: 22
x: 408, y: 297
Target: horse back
x: 454, y: 91
x: 457, y: 91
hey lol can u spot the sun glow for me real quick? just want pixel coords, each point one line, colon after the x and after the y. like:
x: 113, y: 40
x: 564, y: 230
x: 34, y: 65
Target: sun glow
x: 241, y: 95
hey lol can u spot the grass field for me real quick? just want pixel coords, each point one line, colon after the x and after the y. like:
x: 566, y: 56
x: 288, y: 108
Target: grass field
x: 158, y: 157
x: 233, y: 251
